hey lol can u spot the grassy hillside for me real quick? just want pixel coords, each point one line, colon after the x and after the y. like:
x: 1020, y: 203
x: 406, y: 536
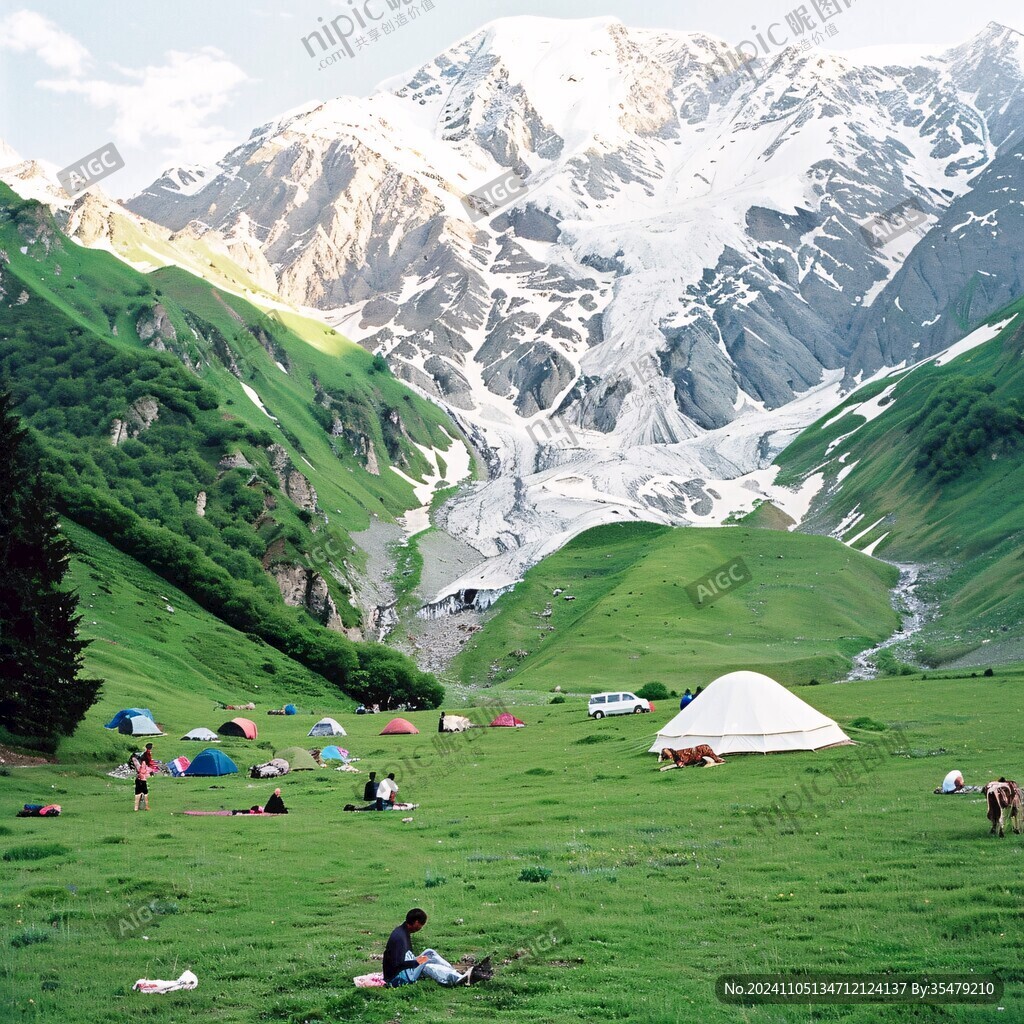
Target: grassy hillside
x: 658, y: 884
x: 935, y: 477
x: 135, y: 390
x: 810, y: 606
x: 156, y: 648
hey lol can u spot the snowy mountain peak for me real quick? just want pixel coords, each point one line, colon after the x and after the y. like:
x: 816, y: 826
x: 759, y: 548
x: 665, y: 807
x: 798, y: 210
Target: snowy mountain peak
x: 677, y: 251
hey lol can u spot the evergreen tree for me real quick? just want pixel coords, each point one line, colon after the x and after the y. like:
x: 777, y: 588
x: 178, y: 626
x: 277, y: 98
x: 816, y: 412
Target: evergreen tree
x: 41, y: 695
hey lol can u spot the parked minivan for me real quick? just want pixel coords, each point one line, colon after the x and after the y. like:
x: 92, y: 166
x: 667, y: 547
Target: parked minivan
x: 602, y: 704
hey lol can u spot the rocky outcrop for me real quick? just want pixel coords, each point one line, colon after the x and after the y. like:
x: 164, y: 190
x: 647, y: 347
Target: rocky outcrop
x: 141, y: 415
x: 236, y: 460
x: 304, y: 588
x: 297, y: 488
x: 155, y: 328
x: 201, y: 504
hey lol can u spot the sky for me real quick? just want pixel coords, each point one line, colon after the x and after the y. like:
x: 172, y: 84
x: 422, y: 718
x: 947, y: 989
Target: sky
x: 182, y: 82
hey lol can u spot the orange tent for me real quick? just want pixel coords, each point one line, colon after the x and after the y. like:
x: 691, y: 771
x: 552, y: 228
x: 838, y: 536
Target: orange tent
x: 399, y: 727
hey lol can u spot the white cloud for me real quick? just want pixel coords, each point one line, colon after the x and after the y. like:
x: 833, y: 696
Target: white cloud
x: 170, y: 103
x: 28, y: 32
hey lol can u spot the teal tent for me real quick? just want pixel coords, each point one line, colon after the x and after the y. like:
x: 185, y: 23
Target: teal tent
x: 211, y: 762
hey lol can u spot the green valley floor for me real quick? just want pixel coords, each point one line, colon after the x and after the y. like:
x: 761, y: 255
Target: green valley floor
x: 604, y: 889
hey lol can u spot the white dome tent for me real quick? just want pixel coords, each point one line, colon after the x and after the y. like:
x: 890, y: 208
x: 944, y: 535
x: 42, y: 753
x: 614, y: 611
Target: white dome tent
x: 327, y: 727
x: 749, y: 713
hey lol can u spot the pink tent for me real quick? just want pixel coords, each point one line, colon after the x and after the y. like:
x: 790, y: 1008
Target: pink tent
x: 399, y: 727
x: 507, y: 721
x: 243, y: 728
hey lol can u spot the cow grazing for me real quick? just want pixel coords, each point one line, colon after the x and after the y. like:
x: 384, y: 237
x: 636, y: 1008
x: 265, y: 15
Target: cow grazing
x: 1004, y: 796
x: 686, y: 757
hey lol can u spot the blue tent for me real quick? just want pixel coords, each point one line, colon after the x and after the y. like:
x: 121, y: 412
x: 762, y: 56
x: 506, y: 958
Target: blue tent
x: 128, y: 713
x: 333, y: 754
x: 211, y: 762
x: 290, y: 709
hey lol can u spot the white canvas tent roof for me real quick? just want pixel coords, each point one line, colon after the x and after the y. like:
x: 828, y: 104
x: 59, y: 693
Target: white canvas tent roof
x: 749, y: 713
x: 327, y: 727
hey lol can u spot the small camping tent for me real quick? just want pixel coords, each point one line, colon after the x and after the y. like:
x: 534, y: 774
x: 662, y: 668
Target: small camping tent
x: 127, y: 713
x: 299, y: 760
x: 290, y: 709
x: 456, y: 723
x: 399, y: 727
x: 211, y: 763
x: 204, y: 735
x: 240, y: 727
x: 334, y: 754
x: 327, y: 727
x: 139, y: 725
x: 507, y: 721
x: 178, y: 766
x: 749, y: 713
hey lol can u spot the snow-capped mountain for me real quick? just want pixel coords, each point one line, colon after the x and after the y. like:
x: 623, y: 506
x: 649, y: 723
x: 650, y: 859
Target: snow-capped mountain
x: 686, y: 260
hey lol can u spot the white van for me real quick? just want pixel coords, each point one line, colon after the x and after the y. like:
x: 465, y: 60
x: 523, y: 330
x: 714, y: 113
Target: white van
x: 602, y: 704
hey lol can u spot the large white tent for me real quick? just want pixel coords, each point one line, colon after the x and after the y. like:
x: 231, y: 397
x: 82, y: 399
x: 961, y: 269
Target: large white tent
x: 749, y: 713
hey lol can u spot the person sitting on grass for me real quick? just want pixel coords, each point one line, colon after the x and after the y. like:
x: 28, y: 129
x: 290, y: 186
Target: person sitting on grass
x: 403, y: 967
x: 275, y: 805
x: 387, y: 790
x: 370, y: 789
x: 953, y: 782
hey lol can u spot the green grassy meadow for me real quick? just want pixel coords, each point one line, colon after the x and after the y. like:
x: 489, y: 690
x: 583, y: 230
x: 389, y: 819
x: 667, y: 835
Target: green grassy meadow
x: 810, y: 605
x: 658, y: 882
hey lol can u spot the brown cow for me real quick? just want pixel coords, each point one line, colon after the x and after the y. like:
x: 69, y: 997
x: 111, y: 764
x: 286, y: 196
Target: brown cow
x: 685, y: 757
x: 1004, y: 796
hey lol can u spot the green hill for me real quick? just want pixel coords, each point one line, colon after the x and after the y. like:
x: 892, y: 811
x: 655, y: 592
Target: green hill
x: 810, y: 605
x: 927, y: 466
x: 134, y: 387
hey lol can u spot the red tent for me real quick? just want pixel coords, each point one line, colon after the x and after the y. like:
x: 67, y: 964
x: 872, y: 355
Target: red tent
x: 240, y: 727
x: 399, y: 727
x: 506, y: 720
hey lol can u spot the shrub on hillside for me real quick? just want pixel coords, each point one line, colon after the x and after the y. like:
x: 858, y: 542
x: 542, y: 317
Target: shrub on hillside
x: 965, y: 423
x: 653, y: 691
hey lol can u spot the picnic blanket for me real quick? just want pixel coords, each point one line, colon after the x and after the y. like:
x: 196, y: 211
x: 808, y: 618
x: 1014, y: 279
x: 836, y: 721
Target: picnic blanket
x: 962, y: 789
x: 187, y: 981
x: 375, y: 980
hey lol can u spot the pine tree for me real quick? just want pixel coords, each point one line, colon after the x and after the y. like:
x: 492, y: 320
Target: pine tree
x: 41, y: 695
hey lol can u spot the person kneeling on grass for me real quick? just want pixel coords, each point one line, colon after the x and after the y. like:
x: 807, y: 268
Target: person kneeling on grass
x: 403, y: 967
x: 275, y: 805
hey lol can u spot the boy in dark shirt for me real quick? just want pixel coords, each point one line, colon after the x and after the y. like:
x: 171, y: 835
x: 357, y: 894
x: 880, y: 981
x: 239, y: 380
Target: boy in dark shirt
x: 370, y: 789
x: 401, y: 967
